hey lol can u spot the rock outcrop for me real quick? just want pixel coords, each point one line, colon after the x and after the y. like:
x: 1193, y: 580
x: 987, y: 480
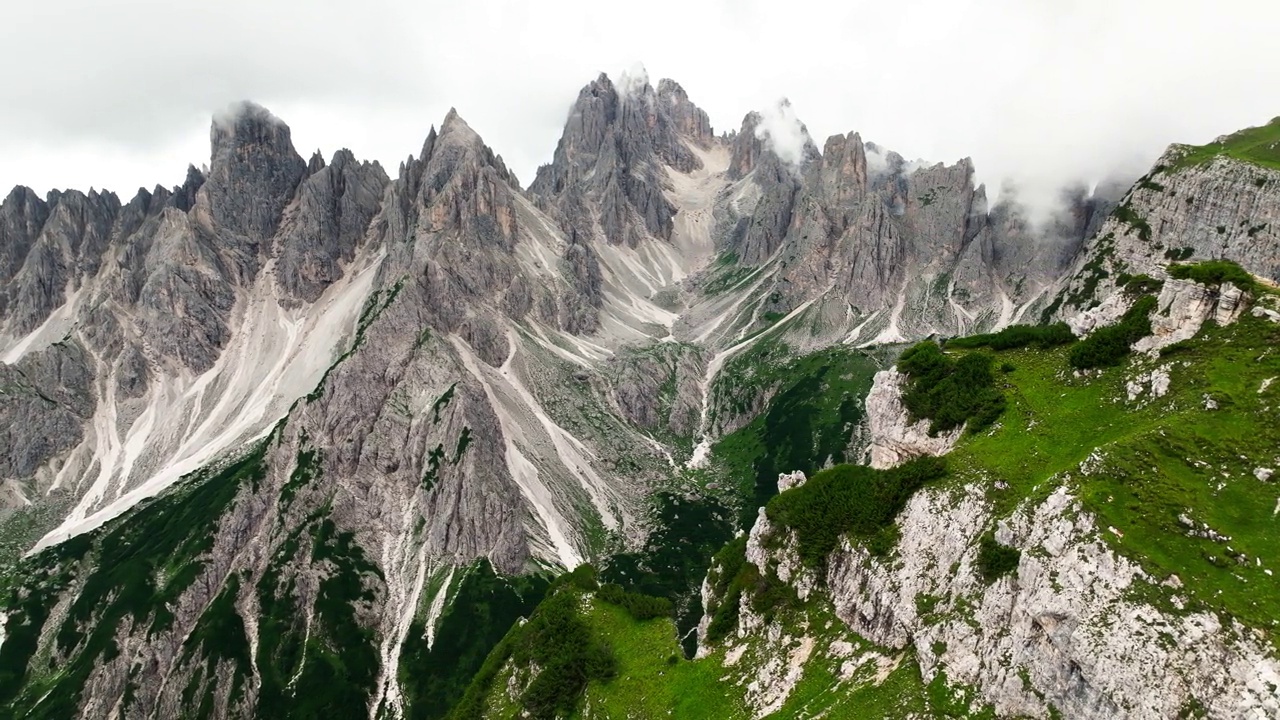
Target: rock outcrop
x: 660, y: 388
x: 336, y: 202
x: 1184, y: 307
x: 1062, y: 624
x: 1221, y: 208
x: 894, y: 438
x: 607, y: 171
x: 881, y: 250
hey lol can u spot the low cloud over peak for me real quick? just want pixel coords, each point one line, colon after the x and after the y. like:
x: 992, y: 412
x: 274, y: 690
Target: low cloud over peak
x: 1040, y: 95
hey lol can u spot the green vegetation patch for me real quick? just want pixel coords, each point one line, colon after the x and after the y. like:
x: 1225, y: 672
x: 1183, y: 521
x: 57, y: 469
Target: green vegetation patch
x: 950, y: 392
x: 324, y: 666
x: 1109, y: 346
x: 727, y: 583
x: 1140, y: 284
x: 219, y: 635
x: 141, y: 564
x: 558, y: 646
x: 1215, y: 272
x: 1170, y: 470
x: 1257, y: 145
x: 655, y: 681
x: 482, y: 609
x: 1126, y: 214
x: 1018, y: 336
x: 996, y: 560
x: 639, y: 605
x: 848, y: 499
x: 814, y: 403
x: 687, y: 531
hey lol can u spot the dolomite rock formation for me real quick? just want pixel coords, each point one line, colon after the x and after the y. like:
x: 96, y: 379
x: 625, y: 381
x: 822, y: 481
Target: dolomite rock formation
x: 786, y: 481
x: 1062, y: 630
x: 1222, y: 208
x: 1184, y: 306
x: 446, y: 367
x: 1063, y: 621
x: 894, y: 438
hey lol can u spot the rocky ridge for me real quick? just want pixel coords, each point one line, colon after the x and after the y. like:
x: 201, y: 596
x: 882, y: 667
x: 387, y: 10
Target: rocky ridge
x: 457, y: 371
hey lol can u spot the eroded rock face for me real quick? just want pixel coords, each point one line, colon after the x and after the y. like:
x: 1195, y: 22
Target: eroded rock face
x: 660, y: 388
x: 438, y: 437
x: 612, y: 154
x: 1061, y: 631
x: 413, y: 348
x: 1184, y: 306
x: 1108, y: 312
x: 253, y: 173
x: 903, y: 249
x: 335, y: 204
x: 1221, y: 209
x: 46, y: 401
x: 149, y: 297
x: 1073, y: 638
x: 894, y: 438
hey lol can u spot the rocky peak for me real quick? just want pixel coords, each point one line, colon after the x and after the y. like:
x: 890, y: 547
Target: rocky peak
x: 144, y: 204
x: 85, y: 221
x: 616, y: 143
x: 458, y: 188
x: 335, y: 204
x: 184, y: 196
x: 22, y: 214
x: 778, y: 180
x: 746, y: 147
x: 253, y: 173
x: 689, y: 119
x: 316, y: 163
x: 775, y: 134
x: 844, y: 167
x: 459, y: 147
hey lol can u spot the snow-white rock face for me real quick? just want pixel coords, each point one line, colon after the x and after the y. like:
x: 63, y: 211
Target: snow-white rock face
x: 1108, y: 312
x: 893, y: 437
x: 786, y: 481
x: 1184, y: 306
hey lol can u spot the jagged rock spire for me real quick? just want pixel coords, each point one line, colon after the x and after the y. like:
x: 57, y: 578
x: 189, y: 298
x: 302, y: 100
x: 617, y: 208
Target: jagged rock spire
x: 615, y: 144
x: 254, y: 170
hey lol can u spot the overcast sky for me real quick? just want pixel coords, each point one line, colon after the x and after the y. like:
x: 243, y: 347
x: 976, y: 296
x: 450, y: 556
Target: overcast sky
x: 120, y: 94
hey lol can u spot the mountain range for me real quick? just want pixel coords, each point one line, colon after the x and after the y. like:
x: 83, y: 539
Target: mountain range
x: 298, y: 438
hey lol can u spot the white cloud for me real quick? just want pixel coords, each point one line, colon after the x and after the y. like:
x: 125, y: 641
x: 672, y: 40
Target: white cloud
x: 783, y: 132
x: 1037, y: 92
x: 633, y: 81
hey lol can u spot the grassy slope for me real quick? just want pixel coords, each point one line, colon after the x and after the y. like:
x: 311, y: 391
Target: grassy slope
x: 814, y: 406
x: 1257, y: 145
x: 1162, y: 458
x: 655, y: 681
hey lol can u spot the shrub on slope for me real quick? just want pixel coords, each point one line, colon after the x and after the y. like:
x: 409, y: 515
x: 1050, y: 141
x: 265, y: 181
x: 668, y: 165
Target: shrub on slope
x: 950, y: 392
